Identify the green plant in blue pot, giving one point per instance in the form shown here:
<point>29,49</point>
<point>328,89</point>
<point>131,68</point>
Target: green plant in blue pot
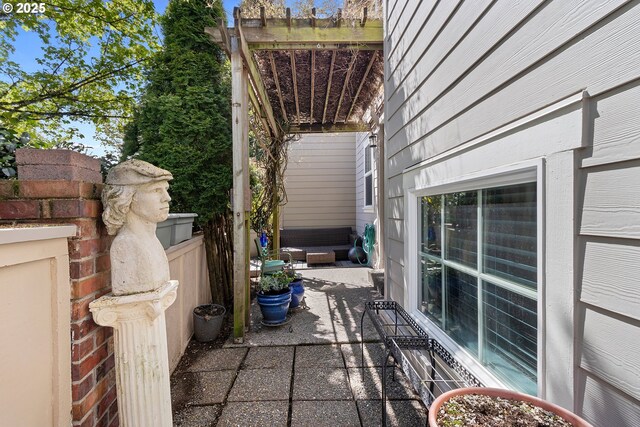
<point>274,297</point>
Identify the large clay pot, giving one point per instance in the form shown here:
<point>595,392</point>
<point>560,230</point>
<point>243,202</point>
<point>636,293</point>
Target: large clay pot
<point>505,394</point>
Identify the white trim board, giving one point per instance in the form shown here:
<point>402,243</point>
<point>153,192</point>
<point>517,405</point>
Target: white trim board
<point>525,124</point>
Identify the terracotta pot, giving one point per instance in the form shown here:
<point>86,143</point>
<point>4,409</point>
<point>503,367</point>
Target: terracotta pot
<point>505,394</point>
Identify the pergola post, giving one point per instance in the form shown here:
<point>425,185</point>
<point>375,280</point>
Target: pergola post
<point>241,192</point>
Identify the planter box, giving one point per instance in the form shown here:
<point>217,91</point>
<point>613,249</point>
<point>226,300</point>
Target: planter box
<point>175,229</point>
<point>163,231</point>
<point>182,227</point>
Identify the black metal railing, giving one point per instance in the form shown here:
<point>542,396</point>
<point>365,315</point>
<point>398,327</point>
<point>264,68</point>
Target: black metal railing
<point>400,332</point>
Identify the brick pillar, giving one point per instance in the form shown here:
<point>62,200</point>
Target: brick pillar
<point>63,187</point>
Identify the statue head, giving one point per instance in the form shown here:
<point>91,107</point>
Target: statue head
<point>138,187</point>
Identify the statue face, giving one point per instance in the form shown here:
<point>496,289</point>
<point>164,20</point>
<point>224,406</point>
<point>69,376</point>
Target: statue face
<point>151,201</point>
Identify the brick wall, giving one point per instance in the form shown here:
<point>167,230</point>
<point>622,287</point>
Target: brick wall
<point>63,187</point>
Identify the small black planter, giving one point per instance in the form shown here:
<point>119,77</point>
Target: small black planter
<point>207,321</point>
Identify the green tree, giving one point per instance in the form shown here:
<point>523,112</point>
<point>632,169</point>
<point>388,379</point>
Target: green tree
<point>183,124</point>
<point>89,69</point>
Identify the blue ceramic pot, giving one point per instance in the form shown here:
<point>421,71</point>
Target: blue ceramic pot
<point>297,291</point>
<point>274,307</point>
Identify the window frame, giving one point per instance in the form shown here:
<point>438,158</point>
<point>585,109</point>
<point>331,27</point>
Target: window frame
<point>517,173</point>
<point>368,151</point>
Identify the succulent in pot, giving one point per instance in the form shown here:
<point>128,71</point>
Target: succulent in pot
<point>274,297</point>
<point>274,283</point>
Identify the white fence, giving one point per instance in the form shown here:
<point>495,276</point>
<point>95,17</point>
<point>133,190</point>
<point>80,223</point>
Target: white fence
<point>187,262</point>
<point>35,319</point>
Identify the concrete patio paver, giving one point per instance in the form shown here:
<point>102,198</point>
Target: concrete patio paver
<point>261,384</point>
<point>326,413</point>
<point>335,299</point>
<point>197,416</point>
<point>309,369</point>
<point>315,356</point>
<point>321,384</point>
<point>269,358</point>
<point>217,360</point>
<point>400,413</point>
<point>370,388</point>
<point>252,414</point>
<point>202,388</point>
<point>374,354</point>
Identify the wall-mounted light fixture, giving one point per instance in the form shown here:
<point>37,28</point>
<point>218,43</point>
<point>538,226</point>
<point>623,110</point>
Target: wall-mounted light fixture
<point>373,140</point>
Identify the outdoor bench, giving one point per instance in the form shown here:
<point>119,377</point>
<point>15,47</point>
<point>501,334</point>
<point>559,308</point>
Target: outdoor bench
<point>317,245</point>
<point>399,331</point>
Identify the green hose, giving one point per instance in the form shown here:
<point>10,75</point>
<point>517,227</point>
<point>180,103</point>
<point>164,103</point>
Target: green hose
<point>368,240</point>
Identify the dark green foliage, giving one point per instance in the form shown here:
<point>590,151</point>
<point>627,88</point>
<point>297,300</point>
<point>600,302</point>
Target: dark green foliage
<point>184,123</point>
<point>9,142</point>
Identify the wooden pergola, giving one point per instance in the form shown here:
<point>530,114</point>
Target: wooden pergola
<point>301,76</point>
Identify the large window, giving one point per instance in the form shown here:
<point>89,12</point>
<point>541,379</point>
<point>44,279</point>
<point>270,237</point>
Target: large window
<point>478,262</point>
<point>368,177</point>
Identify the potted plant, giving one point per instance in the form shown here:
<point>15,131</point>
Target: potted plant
<point>497,407</point>
<point>297,291</point>
<point>274,297</point>
<point>207,321</point>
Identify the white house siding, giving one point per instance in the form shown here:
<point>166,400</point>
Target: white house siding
<point>363,215</point>
<point>320,182</point>
<point>475,86</point>
<point>608,311</point>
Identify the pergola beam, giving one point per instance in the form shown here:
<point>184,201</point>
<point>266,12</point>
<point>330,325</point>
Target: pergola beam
<point>252,70</point>
<point>326,100</point>
<point>277,82</point>
<point>344,87</point>
<point>292,55</point>
<point>329,128</point>
<point>317,46</point>
<point>304,36</point>
<point>364,79</point>
<point>258,109</point>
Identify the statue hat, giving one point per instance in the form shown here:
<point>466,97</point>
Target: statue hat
<point>136,172</point>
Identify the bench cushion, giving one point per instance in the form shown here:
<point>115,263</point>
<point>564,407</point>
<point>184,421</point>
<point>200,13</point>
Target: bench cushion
<point>306,237</point>
<point>300,241</point>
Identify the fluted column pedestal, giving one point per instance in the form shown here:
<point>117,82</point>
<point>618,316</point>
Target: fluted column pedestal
<point>142,365</point>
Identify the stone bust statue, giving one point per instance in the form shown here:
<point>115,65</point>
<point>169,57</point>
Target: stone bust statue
<point>135,199</point>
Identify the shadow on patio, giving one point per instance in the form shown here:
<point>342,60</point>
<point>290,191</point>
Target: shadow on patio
<point>305,373</point>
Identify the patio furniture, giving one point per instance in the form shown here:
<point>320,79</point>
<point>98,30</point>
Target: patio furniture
<point>301,241</point>
<point>398,332</point>
<point>268,265</point>
<point>321,257</point>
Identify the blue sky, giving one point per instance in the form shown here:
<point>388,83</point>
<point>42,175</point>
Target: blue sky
<point>28,48</point>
